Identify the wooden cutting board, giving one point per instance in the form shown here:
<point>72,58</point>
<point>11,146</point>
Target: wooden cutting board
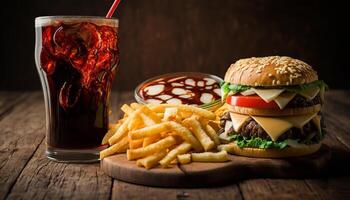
<point>213,174</point>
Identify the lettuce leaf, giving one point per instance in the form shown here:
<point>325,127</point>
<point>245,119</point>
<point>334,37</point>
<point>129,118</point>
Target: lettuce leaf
<point>243,142</point>
<point>227,87</point>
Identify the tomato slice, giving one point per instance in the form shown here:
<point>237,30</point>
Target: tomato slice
<point>252,101</point>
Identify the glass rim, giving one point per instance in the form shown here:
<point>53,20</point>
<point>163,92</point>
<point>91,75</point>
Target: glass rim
<point>45,20</point>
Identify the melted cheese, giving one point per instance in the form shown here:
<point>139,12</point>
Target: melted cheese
<point>238,120</point>
<point>317,121</point>
<point>283,99</point>
<point>300,120</point>
<point>310,93</point>
<point>224,135</point>
<point>268,94</point>
<point>273,126</point>
<point>248,92</point>
<point>228,125</point>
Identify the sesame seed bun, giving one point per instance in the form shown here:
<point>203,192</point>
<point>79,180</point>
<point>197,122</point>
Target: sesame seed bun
<point>270,71</point>
<point>274,153</point>
<point>274,112</point>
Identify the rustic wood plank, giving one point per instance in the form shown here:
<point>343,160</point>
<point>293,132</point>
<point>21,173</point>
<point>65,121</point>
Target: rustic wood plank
<point>21,132</point>
<point>335,184</point>
<point>45,179</point>
<point>9,99</point>
<point>122,190</point>
<point>276,189</point>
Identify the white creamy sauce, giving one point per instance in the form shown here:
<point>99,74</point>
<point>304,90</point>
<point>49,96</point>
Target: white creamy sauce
<point>174,101</point>
<point>185,96</point>
<point>209,81</point>
<point>154,89</point>
<point>200,83</point>
<point>190,82</point>
<point>155,101</point>
<point>177,84</point>
<point>178,91</point>
<point>164,96</point>
<point>217,91</point>
<point>206,98</point>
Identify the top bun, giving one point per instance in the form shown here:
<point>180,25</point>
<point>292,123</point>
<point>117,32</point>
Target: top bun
<point>270,71</point>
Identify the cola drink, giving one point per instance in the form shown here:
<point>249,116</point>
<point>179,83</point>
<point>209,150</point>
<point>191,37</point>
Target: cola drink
<point>76,58</point>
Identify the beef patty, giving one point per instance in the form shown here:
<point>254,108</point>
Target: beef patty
<point>299,101</point>
<point>253,129</point>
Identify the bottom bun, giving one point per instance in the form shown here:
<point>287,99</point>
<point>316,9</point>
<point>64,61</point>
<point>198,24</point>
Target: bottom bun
<point>274,153</point>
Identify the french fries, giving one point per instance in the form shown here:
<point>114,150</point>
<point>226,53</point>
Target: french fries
<point>162,144</point>
<point>186,135</point>
<point>210,157</point>
<point>119,147</point>
<point>112,129</point>
<point>212,134</point>
<point>164,135</point>
<point>198,131</point>
<point>149,131</point>
<point>121,132</point>
<point>152,160</point>
<point>134,144</point>
<point>184,108</point>
<point>184,158</point>
<point>152,139</point>
<point>181,149</point>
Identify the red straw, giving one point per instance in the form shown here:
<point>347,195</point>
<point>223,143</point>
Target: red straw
<point>112,9</point>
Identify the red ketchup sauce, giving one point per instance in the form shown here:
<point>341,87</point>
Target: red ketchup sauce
<point>181,89</point>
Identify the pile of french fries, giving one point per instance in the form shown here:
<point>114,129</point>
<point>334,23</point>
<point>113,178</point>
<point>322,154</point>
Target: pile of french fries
<point>164,134</point>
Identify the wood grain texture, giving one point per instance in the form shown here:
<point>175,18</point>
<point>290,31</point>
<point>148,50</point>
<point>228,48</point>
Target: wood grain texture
<point>9,99</point>
<point>126,191</point>
<point>21,132</point>
<point>277,189</point>
<point>45,179</point>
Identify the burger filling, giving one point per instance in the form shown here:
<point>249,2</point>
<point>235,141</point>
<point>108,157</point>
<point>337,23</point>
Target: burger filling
<point>274,97</point>
<point>299,101</point>
<point>252,134</point>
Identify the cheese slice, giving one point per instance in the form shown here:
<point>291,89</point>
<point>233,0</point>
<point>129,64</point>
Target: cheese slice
<point>224,135</point>
<point>228,125</point>
<point>317,121</point>
<point>268,94</point>
<point>273,126</point>
<point>300,120</point>
<point>248,92</point>
<point>283,99</point>
<point>238,120</point>
<point>310,93</point>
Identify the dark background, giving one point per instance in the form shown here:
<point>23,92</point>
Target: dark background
<point>160,36</point>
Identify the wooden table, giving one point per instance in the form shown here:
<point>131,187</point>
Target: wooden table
<point>25,172</point>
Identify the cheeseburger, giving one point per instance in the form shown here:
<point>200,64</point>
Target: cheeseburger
<point>272,107</point>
